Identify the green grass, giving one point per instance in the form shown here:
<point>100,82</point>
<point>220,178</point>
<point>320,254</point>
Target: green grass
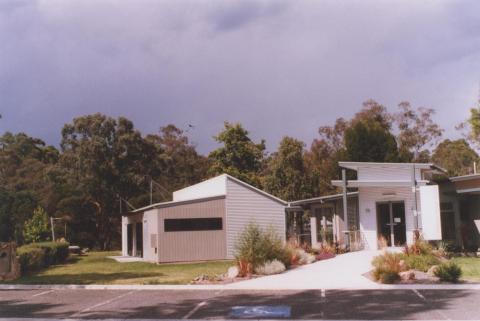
<point>96,268</point>
<point>470,267</point>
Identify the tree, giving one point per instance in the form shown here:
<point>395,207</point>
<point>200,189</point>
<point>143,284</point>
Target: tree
<point>24,165</point>
<point>322,158</point>
<point>457,157</point>
<point>417,132</point>
<point>287,176</point>
<point>179,165</point>
<point>368,137</point>
<point>239,156</point>
<point>105,159</point>
<point>36,229</point>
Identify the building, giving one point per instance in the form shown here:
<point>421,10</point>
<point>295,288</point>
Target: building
<point>202,222</point>
<point>381,204</point>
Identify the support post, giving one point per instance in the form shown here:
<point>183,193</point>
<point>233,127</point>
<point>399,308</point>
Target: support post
<point>414,191</point>
<point>344,194</point>
<point>313,231</point>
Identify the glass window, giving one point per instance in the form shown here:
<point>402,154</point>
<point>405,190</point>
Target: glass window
<point>193,224</point>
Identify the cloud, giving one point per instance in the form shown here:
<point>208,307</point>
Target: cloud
<point>278,67</point>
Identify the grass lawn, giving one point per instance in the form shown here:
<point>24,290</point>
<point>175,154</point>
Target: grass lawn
<point>96,268</point>
<point>470,267</point>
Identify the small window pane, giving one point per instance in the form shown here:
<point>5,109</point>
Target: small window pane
<point>193,224</point>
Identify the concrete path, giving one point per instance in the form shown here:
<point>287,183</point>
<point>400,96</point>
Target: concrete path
<point>342,272</point>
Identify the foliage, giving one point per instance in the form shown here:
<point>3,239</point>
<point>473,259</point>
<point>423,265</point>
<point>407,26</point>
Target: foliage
<point>368,138</point>
<point>387,267</point>
<point>421,262</point>
<point>270,267</point>
<point>39,255</point>
<point>448,272</point>
<point>36,229</point>
<point>256,246</point>
<point>457,157</point>
<point>417,132</point>
<point>419,247</point>
<point>286,175</point>
<point>239,156</point>
<point>304,257</point>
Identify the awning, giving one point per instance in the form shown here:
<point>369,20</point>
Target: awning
<point>379,183</point>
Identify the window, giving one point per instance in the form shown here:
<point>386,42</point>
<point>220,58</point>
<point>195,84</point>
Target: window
<point>193,224</point>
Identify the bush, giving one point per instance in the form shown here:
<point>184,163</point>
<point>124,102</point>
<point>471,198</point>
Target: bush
<point>419,247</point>
<point>31,258</point>
<point>39,255</point>
<point>387,267</point>
<point>271,267</point>
<point>256,246</point>
<point>421,262</point>
<point>36,229</point>
<point>448,272</point>
<point>304,257</point>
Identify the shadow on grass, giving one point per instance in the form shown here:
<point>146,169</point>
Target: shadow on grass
<point>85,278</point>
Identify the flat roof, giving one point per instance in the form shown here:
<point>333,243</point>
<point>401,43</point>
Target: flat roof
<point>173,203</point>
<point>465,177</point>
<point>322,198</point>
<point>356,165</point>
<point>377,183</point>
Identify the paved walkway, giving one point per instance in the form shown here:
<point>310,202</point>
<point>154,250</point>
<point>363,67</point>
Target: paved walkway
<point>343,271</point>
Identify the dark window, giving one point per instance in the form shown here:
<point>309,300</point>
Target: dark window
<point>193,224</point>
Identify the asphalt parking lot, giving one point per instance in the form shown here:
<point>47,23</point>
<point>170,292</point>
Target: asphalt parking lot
<point>211,304</point>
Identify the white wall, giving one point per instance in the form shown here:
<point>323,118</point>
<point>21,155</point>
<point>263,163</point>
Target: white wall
<point>369,196</point>
<point>150,226</point>
<point>212,187</point>
<point>244,205</point>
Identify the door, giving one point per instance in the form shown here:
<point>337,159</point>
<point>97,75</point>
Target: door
<point>130,239</point>
<point>139,239</point>
<point>391,223</point>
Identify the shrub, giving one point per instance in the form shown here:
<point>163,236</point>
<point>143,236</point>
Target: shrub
<point>256,246</point>
<point>270,267</point>
<point>419,247</point>
<point>304,257</point>
<point>31,258</point>
<point>421,262</point>
<point>387,267</point>
<point>448,272</point>
<point>39,255</point>
<point>36,229</point>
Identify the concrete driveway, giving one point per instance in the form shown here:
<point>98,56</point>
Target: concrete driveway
<point>343,271</point>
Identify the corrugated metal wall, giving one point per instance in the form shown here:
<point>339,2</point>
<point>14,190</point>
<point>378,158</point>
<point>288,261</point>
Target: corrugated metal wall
<point>192,245</point>
<point>244,205</point>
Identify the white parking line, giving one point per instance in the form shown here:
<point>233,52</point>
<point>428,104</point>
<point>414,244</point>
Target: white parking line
<point>195,309</point>
<point>100,304</point>
<point>42,293</point>
<point>419,295</point>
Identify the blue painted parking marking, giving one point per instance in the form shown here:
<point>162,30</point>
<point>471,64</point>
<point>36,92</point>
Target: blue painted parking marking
<point>261,311</point>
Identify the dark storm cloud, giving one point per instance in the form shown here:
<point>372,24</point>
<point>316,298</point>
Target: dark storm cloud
<point>278,67</point>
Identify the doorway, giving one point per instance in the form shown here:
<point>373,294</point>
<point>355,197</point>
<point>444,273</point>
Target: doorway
<point>391,223</point>
<point>139,239</point>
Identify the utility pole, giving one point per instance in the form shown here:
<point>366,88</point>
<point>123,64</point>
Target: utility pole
<point>151,191</point>
<point>53,230</point>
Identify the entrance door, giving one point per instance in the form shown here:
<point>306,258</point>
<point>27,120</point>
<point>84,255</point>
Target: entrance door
<point>139,239</point>
<point>391,223</point>
<point>325,225</point>
<point>130,239</point>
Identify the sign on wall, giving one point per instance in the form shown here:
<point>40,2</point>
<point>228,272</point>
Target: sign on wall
<point>430,211</point>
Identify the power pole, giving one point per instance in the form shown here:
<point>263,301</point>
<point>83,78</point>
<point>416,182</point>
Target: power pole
<point>53,230</point>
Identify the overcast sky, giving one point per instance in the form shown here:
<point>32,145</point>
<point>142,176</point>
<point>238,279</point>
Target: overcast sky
<point>280,68</point>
